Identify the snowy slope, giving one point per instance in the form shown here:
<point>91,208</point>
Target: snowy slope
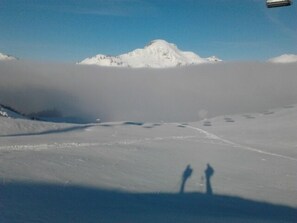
<point>131,172</point>
<point>6,57</point>
<point>9,112</point>
<point>285,58</point>
<point>104,60</point>
<point>157,54</point>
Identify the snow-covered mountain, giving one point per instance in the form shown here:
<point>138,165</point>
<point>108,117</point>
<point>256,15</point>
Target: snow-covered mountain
<point>6,57</point>
<point>285,58</point>
<point>157,54</point>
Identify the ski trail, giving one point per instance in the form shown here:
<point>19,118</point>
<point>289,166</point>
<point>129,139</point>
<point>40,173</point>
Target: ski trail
<point>236,145</point>
<point>70,145</point>
<point>208,136</point>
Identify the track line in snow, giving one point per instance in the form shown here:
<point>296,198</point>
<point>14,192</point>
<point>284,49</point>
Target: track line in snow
<point>236,145</point>
<point>214,139</point>
<point>40,147</point>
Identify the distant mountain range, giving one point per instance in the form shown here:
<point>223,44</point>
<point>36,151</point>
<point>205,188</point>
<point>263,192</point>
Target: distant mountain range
<point>157,54</point>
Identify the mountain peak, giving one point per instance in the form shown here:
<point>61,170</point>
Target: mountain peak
<point>156,54</point>
<point>6,57</point>
<point>285,58</point>
<point>159,43</point>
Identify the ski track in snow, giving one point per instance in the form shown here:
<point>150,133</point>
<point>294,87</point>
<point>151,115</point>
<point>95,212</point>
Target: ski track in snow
<point>210,138</point>
<point>236,145</point>
<point>39,147</point>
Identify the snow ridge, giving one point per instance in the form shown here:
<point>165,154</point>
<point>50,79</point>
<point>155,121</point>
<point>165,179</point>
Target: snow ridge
<point>156,54</point>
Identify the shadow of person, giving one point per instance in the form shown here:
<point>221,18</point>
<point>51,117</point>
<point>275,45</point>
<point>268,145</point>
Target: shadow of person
<point>186,175</point>
<point>209,171</point>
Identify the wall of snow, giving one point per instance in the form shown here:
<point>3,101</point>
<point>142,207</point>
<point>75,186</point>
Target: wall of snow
<point>117,94</point>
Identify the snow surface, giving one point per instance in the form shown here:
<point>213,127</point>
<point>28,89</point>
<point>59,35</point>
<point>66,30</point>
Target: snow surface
<point>285,58</point>
<point>157,54</point>
<point>132,171</point>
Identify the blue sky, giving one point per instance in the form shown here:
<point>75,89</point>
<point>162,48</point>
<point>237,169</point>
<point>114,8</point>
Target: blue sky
<point>71,30</point>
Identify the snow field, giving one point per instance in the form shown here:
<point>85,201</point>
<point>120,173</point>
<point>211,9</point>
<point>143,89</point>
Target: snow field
<point>151,157</point>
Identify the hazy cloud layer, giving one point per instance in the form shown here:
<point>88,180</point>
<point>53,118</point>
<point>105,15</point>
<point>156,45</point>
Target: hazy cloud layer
<point>117,94</point>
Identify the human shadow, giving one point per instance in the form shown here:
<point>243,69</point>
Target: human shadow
<point>46,203</point>
<point>209,172</point>
<point>186,175</point>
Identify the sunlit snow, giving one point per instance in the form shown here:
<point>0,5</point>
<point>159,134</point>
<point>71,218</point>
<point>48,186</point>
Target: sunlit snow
<point>157,54</point>
<point>285,58</point>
